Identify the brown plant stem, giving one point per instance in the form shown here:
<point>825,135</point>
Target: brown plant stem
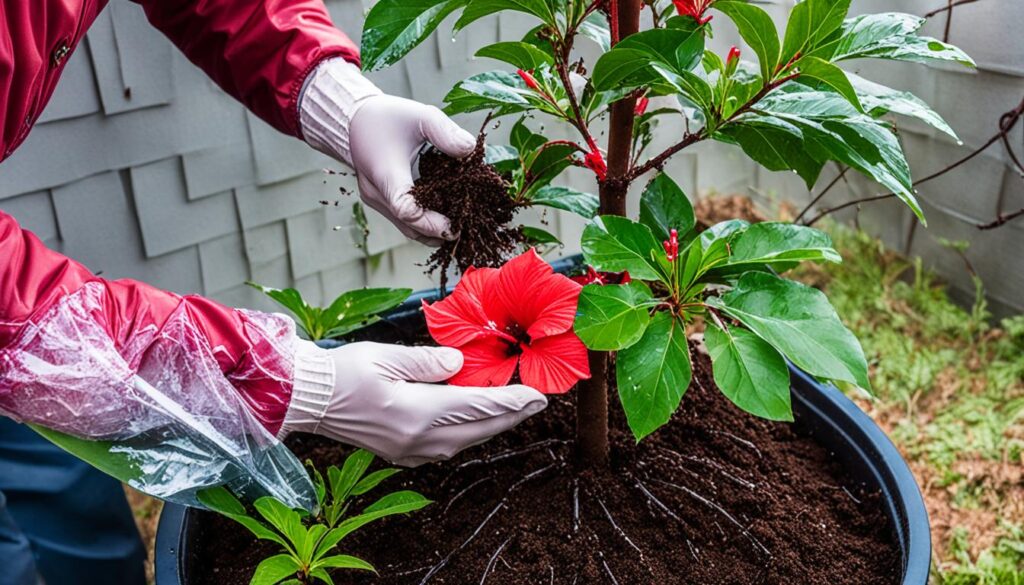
<point>592,399</point>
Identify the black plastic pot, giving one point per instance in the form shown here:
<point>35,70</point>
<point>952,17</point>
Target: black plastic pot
<point>834,421</point>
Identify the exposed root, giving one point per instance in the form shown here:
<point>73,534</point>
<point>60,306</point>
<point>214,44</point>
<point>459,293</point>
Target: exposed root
<point>743,529</point>
<point>619,530</point>
<point>512,453</point>
<point>741,441</point>
<point>661,506</point>
<point>714,464</point>
<point>575,505</point>
<point>493,560</point>
<point>852,497</point>
<point>464,490</point>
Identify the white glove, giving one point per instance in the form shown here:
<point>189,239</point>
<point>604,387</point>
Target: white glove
<point>372,395</point>
<point>345,116</point>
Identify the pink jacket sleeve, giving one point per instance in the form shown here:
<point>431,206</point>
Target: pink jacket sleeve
<point>71,344</point>
<point>259,51</point>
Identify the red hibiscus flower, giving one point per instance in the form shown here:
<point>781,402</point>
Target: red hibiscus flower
<point>694,8</point>
<point>519,315</point>
<point>594,277</point>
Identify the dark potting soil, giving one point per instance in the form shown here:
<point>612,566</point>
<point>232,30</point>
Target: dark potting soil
<point>475,198</point>
<point>715,497</point>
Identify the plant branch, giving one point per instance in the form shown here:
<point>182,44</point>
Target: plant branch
<point>948,7</point>
<point>1001,220</point>
<point>824,192</point>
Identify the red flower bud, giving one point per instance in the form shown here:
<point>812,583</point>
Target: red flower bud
<point>595,162</point>
<point>734,54</point>
<point>694,8</point>
<point>641,106</point>
<point>529,80</point>
<point>671,245</point>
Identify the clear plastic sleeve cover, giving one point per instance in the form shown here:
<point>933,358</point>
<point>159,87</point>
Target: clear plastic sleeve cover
<point>159,414</point>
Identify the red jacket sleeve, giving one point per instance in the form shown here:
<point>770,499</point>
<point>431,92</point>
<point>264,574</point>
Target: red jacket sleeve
<point>252,351</point>
<point>259,51</point>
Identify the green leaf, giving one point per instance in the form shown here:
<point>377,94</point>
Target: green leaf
<point>291,299</point>
<point>798,321</point>
<point>535,236</point>
<point>220,500</point>
<point>373,480</point>
<point>343,480</point>
<point>545,165</point>
<point>318,482</point>
<point>613,317</point>
<point>595,27</point>
<point>613,244</point>
<point>309,545</point>
<point>664,206</point>
<point>525,140</point>
<point>505,159</point>
<point>653,374</point>
<point>395,27</point>
<point>775,144</point>
<point>780,243</point>
<point>567,199</point>
<point>357,308</point>
<point>810,24</point>
<point>722,231</point>
<point>629,63</point>
<point>478,9</point>
<point>501,91</point>
<point>831,76</point>
<point>891,35</point>
<point>757,29</point>
<point>401,502</point>
<point>879,100</point>
<point>281,517</point>
<point>517,53</point>
<point>320,574</point>
<point>750,372</point>
<point>343,562</point>
<point>272,570</point>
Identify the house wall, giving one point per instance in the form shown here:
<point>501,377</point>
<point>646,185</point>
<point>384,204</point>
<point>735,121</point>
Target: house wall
<point>141,167</point>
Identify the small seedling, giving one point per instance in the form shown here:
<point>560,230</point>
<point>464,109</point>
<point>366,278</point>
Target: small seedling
<point>352,310</point>
<point>307,541</point>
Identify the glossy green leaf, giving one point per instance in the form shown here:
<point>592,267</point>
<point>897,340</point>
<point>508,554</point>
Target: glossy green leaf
<point>775,144</point>
<point>401,502</point>
<point>477,9</point>
<point>220,500</point>
<point>879,100</point>
<point>750,372</point>
<point>567,199</point>
<point>757,29</point>
<point>664,206</point>
<point>724,231</point>
<point>313,535</point>
<point>628,64</point>
<point>291,299</point>
<point>613,317</point>
<point>274,569</point>
<point>890,35</point>
<point>343,562</point>
<point>357,308</point>
<point>372,480</point>
<point>281,517</point>
<point>504,159</point>
<point>394,27</point>
<point>653,374</point>
<point>343,480</point>
<point>798,321</point>
<point>517,53</point>
<point>780,243</point>
<point>501,91</point>
<point>547,164</point>
<point>811,23</point>
<point>524,139</point>
<point>613,244</point>
<point>831,76</point>
<point>536,236</point>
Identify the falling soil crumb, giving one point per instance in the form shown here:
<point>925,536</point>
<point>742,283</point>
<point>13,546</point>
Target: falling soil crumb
<point>475,198</point>
<point>716,497</point>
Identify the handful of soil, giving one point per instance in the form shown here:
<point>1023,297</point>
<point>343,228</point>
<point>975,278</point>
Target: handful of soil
<point>476,199</point>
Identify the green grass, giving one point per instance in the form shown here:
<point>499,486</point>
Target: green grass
<point>948,386</point>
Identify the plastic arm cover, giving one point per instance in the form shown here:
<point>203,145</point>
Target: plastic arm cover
<point>159,415</point>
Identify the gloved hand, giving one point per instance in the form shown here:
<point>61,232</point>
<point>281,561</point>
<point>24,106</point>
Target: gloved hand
<point>381,398</point>
<point>345,116</point>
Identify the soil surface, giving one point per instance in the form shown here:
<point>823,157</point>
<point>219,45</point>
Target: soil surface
<point>475,198</point>
<point>715,497</point>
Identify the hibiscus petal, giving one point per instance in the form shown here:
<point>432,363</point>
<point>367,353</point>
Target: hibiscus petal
<point>486,362</point>
<point>475,281</point>
<point>554,364</point>
<point>540,301</point>
<point>456,320</point>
